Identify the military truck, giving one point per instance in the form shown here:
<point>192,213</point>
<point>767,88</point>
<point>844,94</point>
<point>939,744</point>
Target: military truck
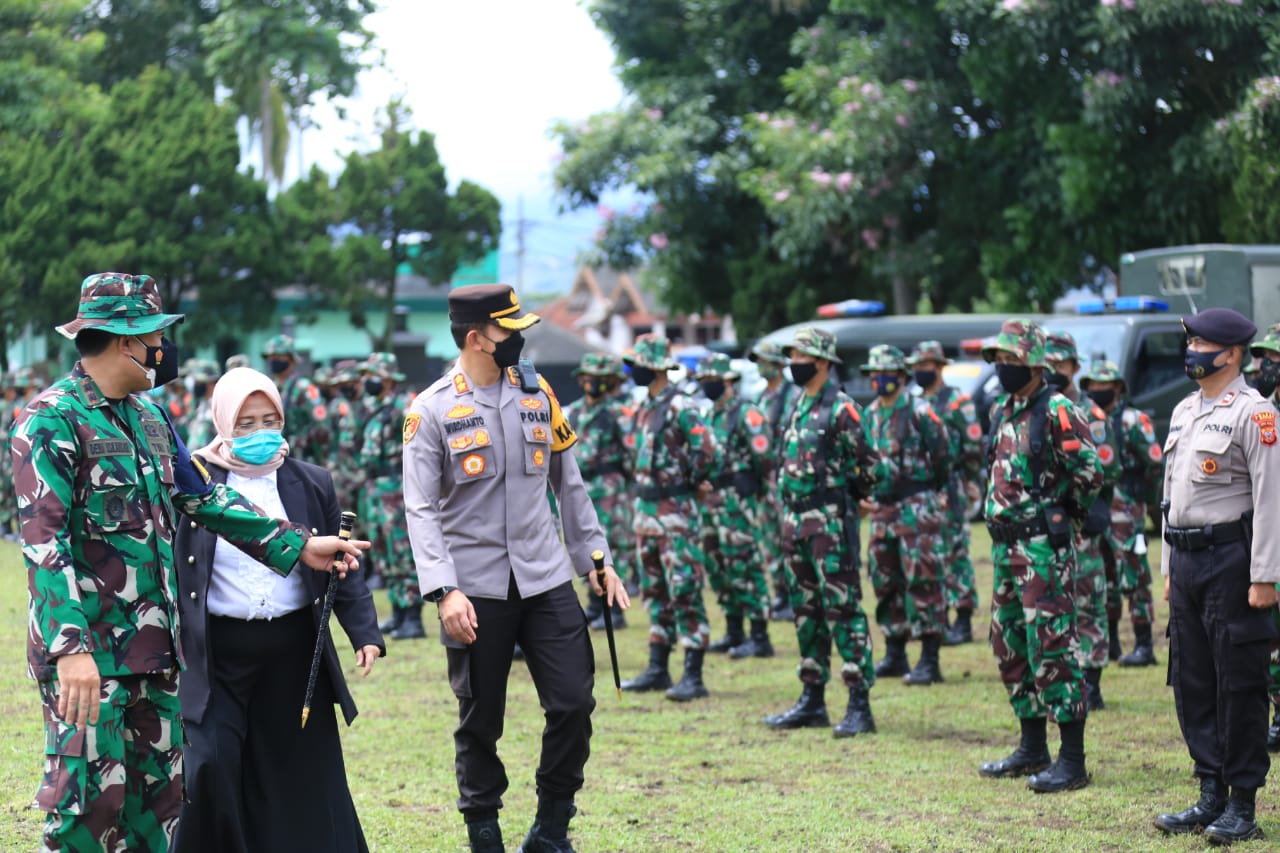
<point>1193,278</point>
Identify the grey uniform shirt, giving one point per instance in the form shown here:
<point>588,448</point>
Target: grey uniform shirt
<point>477,465</point>
<point>1221,461</point>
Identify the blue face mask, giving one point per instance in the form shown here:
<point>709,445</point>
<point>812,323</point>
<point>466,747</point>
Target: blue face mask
<point>258,448</point>
<point>885,384</point>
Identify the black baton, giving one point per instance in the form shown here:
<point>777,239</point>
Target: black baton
<point>597,558</point>
<point>344,532</point>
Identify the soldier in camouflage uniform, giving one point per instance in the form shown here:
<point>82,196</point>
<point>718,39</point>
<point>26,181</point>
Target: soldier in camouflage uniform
<point>200,428</point>
<point>19,387</point>
<point>338,406</point>
<point>825,469</point>
<point>907,509</point>
<point>1044,476</point>
<point>1265,377</point>
<point>960,415</point>
<point>775,401</point>
<point>674,452</point>
<point>234,361</point>
<point>305,415</point>
<point>605,463</point>
<point>732,509</point>
<point>99,472</point>
<point>1091,581</point>
<point>1140,463</point>
<point>348,477</point>
<point>380,459</point>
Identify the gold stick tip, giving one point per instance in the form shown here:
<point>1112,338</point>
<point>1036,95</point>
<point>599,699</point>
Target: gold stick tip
<point>306,712</point>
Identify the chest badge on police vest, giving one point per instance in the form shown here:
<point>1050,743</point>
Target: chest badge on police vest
<point>531,403</point>
<point>1266,422</point>
<point>538,458</point>
<point>1209,465</point>
<point>539,434</point>
<point>482,438</point>
<point>473,465</point>
<point>459,411</point>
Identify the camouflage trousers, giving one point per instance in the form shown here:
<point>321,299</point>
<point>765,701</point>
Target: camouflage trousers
<point>1033,631</point>
<point>671,576</point>
<point>116,786</point>
<point>394,553</point>
<point>613,507</point>
<point>822,577</point>
<point>907,553</point>
<point>1132,572</point>
<point>1089,590</point>
<point>733,556</point>
<point>769,527</point>
<point>961,586</point>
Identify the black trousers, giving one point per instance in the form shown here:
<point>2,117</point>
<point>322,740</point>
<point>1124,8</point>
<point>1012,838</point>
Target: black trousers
<point>552,631</point>
<point>1219,649</point>
<point>256,781</point>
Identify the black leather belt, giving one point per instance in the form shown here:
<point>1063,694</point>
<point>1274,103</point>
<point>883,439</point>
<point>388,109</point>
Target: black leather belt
<point>1008,532</point>
<point>1200,538</point>
<point>908,490</point>
<point>657,493</point>
<point>602,470</point>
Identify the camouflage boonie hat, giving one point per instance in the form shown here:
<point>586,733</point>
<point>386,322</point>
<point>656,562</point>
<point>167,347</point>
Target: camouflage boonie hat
<point>278,345</point>
<point>323,375</point>
<point>816,342</point>
<point>346,370</point>
<point>234,361</point>
<point>768,351</point>
<point>1102,371</point>
<point>716,366</point>
<point>1270,341</point>
<point>651,351</point>
<point>120,304</point>
<point>1060,346</point>
<point>598,364</point>
<point>884,358</point>
<point>1021,337</point>
<point>203,370</point>
<point>384,364</point>
<point>927,351</point>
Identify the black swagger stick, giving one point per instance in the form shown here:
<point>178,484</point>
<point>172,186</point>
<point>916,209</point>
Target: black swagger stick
<point>597,558</point>
<point>344,532</point>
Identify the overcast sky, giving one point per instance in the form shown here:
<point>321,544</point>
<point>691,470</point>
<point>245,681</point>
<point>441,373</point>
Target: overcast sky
<point>488,77</point>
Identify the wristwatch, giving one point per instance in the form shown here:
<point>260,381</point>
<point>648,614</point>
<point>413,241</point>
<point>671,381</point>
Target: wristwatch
<point>437,595</point>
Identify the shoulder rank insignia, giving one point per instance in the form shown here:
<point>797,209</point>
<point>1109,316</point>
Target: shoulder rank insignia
<point>460,383</point>
<point>1266,422</point>
<point>1227,398</point>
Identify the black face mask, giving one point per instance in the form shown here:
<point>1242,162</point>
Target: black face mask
<point>1103,398</point>
<point>803,372</point>
<point>199,388</point>
<point>160,363</point>
<point>885,385</point>
<point>506,353</point>
<point>1267,379</point>
<point>1013,377</point>
<point>1199,365</point>
<point>373,387</point>
<point>925,378</point>
<point>596,387</point>
<point>1057,381</point>
<point>643,376</point>
<point>712,388</point>
<point>278,365</point>
<point>347,392</point>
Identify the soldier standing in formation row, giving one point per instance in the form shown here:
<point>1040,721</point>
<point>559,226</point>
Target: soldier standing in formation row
<point>906,509</point>
<point>19,387</point>
<point>775,401</point>
<point>1266,380</point>
<point>674,452</point>
<point>1044,475</point>
<point>731,502</point>
<point>960,415</point>
<point>305,413</point>
<point>826,468</point>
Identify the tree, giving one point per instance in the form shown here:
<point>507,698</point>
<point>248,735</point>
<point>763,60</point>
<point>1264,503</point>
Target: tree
<point>398,196</point>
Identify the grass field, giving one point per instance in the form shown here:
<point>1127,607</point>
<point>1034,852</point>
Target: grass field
<point>709,776</point>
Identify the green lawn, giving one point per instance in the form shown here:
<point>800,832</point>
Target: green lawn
<point>709,776</point>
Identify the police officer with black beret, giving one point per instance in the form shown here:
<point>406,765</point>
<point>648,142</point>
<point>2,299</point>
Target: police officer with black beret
<point>1222,470</point>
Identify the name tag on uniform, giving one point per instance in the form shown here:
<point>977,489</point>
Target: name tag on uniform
<point>100,447</point>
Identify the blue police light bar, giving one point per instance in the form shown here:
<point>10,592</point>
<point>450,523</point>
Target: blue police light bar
<point>852,308</point>
<point>1092,306</point>
<point>1122,304</point>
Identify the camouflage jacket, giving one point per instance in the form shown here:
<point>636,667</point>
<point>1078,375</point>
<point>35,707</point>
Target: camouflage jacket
<point>382,448</point>
<point>960,414</point>
<point>1071,475</point>
<point>777,406</point>
<point>601,449</point>
<point>1141,458</point>
<point>745,438</point>
<point>674,449</point>
<point>98,483</point>
<point>1104,441</point>
<point>913,447</point>
<point>825,454</point>
<point>200,427</point>
<point>306,420</point>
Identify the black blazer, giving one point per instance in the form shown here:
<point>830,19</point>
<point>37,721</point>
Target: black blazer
<point>308,496</point>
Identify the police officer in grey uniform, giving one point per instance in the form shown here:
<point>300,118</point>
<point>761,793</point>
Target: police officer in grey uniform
<point>482,445</point>
<point>1222,469</point>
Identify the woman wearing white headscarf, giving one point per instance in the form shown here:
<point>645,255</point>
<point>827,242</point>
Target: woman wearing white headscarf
<point>255,780</point>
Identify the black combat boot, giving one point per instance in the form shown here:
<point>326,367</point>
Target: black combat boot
<point>857,717</point>
<point>1237,822</point>
<point>1068,773</point>
<point>1093,690</point>
<point>895,660</point>
<point>690,686</point>
<point>961,631</point>
<point>550,830</point>
<point>1273,733</point>
<point>1031,756</point>
<point>411,628</point>
<point>595,605</point>
<point>810,710</point>
<point>1113,647</point>
<point>757,645</point>
<point>927,669</point>
<point>393,622</point>
<point>1210,806</point>
<point>780,608</point>
<point>733,636</point>
<point>1142,654</point>
<point>656,676</point>
<point>485,836</point>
